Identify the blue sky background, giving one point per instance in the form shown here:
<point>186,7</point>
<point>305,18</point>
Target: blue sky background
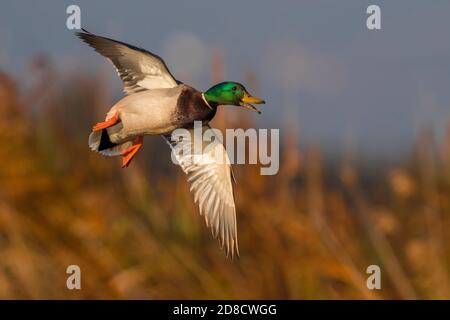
<point>318,66</point>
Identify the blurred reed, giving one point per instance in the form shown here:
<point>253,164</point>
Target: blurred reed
<point>309,232</point>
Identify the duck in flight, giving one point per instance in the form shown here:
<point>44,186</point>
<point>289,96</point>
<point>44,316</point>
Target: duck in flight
<point>157,104</point>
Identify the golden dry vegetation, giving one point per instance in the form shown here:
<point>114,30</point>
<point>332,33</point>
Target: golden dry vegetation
<point>308,232</point>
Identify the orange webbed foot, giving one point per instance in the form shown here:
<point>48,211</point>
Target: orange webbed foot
<point>128,154</point>
<point>106,124</point>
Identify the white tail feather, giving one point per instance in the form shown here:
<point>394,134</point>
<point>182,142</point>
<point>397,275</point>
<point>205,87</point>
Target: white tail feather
<point>117,150</point>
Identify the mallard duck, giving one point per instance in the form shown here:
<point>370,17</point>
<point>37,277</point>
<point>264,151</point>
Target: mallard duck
<point>156,104</point>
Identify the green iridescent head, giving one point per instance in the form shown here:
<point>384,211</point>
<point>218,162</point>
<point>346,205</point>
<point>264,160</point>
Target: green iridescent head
<point>231,93</point>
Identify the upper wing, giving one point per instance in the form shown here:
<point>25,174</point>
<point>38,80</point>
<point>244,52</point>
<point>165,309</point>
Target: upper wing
<point>139,69</point>
<point>209,174</point>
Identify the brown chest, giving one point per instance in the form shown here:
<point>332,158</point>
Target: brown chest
<point>192,107</point>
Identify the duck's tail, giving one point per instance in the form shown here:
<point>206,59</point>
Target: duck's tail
<point>100,142</point>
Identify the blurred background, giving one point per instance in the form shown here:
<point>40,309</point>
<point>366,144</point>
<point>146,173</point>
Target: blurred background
<point>365,153</point>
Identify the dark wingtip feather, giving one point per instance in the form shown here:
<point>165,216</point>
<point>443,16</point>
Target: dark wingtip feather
<point>83,34</point>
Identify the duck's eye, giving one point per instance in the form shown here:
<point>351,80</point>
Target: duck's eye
<point>234,88</point>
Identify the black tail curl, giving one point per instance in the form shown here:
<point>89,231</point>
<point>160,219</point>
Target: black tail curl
<point>105,142</point>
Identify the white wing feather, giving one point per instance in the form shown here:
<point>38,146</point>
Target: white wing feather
<point>139,69</point>
<point>209,174</point>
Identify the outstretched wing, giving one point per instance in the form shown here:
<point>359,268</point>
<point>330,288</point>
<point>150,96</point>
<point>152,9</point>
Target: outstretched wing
<point>139,69</point>
<point>209,174</point>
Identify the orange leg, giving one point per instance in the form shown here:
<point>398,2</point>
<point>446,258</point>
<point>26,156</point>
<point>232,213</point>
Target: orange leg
<point>108,123</point>
<point>128,154</point>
